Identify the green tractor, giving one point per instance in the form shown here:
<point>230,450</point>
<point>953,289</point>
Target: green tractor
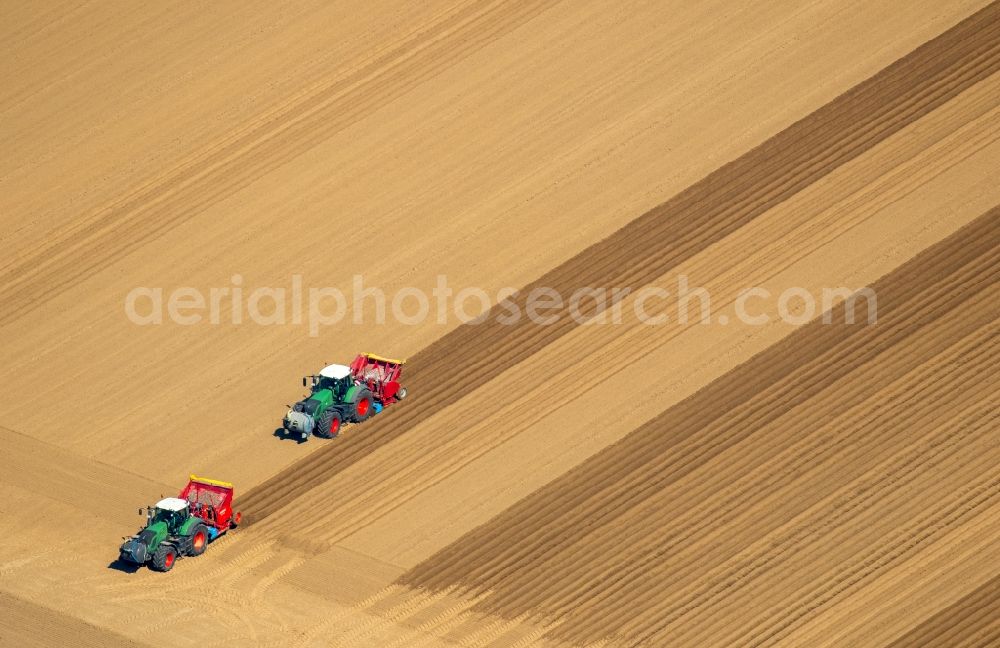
<point>335,399</point>
<point>182,526</point>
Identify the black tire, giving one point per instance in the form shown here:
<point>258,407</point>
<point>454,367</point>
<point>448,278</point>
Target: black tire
<point>164,558</point>
<point>401,394</point>
<point>328,426</point>
<point>363,405</point>
<point>197,540</point>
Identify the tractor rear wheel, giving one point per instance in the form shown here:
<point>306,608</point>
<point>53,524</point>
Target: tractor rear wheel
<point>328,426</point>
<point>362,407</point>
<point>198,540</point>
<point>164,558</point>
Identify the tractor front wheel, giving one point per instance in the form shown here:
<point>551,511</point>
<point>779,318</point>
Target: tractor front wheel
<point>164,558</point>
<point>198,540</point>
<point>328,426</point>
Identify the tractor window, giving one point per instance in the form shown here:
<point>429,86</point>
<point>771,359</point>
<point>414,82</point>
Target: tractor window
<point>336,385</point>
<point>171,518</point>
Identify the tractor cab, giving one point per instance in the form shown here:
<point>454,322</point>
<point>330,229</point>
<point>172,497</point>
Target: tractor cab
<point>336,378</point>
<point>172,511</point>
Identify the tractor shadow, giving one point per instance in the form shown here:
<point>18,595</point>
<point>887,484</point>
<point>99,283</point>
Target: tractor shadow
<point>283,434</point>
<point>120,565</point>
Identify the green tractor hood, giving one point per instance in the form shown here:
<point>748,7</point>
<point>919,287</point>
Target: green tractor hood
<point>141,547</point>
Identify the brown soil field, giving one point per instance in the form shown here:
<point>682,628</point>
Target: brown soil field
<point>595,481</point>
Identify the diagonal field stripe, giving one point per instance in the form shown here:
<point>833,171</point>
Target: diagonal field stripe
<point>88,245</point>
<point>973,620</point>
<point>538,540</point>
<point>719,204</point>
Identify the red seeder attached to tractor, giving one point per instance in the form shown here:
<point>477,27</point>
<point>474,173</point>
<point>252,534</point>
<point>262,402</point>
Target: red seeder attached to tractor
<point>212,501</point>
<point>380,375</point>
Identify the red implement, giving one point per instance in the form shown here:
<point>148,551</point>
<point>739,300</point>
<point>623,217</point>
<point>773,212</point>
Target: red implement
<point>212,501</point>
<point>380,375</point>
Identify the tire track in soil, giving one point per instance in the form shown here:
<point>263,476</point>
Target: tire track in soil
<point>647,248</point>
<point>512,554</point>
<point>93,243</point>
